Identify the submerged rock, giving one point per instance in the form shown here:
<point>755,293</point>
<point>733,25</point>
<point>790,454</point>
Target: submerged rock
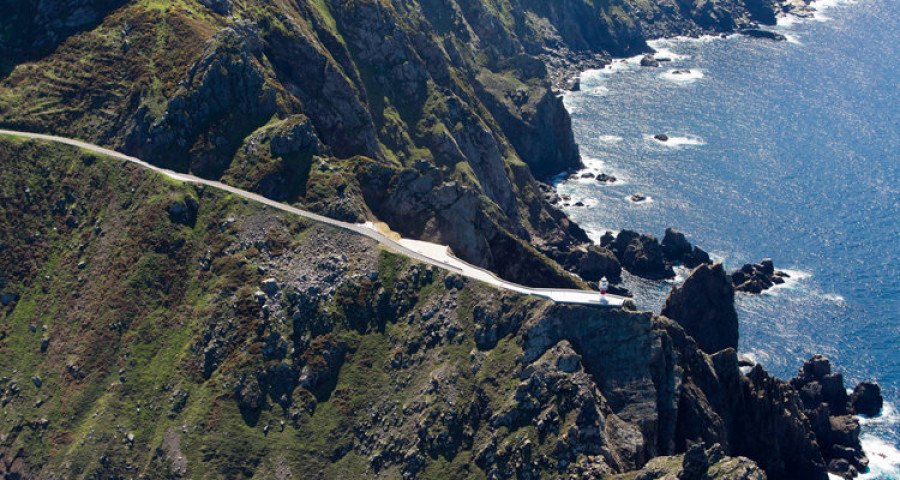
<point>763,34</point>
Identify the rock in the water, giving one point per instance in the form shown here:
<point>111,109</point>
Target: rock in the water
<point>704,306</point>
<point>829,410</point>
<point>649,61</point>
<point>677,249</point>
<point>755,278</point>
<point>641,255</point>
<point>662,137</point>
<point>763,34</point>
<point>638,197</point>
<point>606,178</point>
<point>866,399</point>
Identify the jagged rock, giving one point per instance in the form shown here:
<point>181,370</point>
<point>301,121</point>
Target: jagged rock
<point>755,278</point>
<point>866,399</point>
<point>828,408</point>
<point>606,178</point>
<point>695,464</point>
<point>592,263</point>
<point>704,306</point>
<point>676,248</point>
<point>641,255</point>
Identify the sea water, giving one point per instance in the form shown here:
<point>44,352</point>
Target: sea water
<point>788,150</point>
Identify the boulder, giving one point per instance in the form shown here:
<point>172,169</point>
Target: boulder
<point>606,178</point>
<point>649,61</point>
<point>866,399</point>
<point>638,197</point>
<point>8,298</point>
<point>704,306</point>
<point>695,464</point>
<point>270,286</point>
<point>662,137</point>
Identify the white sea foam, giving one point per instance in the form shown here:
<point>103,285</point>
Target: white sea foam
<point>884,458</point>
<point>683,75</point>
<point>596,91</point>
<point>757,357</point>
<point>609,139</point>
<point>663,49</point>
<point>888,416</point>
<point>676,141</point>
<point>597,166</point>
<point>595,234</point>
<point>792,282</point>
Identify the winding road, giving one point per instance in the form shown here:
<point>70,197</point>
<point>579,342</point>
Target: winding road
<point>426,252</point>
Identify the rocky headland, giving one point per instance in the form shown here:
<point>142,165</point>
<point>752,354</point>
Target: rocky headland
<point>155,330</point>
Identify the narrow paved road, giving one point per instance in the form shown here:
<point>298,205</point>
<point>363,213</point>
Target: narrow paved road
<point>430,253</point>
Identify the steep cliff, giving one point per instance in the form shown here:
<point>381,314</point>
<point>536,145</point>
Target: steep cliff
<point>432,116</point>
<point>160,330</point>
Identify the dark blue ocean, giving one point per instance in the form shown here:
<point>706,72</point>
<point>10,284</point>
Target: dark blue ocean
<point>788,150</point>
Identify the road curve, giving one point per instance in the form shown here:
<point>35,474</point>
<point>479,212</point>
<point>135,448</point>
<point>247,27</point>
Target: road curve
<point>425,252</point>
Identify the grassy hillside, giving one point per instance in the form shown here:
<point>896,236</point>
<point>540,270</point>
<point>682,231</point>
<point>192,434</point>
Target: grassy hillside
<point>141,345</point>
<point>152,329</point>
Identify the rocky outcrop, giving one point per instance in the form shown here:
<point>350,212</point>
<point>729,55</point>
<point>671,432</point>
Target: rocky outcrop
<point>755,278</point>
<point>643,255</point>
<point>704,306</point>
<point>677,249</point>
<point>640,254</point>
<point>830,412</point>
<point>866,399</point>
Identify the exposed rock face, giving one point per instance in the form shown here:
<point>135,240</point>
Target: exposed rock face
<point>640,254</point>
<point>677,249</point>
<point>34,28</point>
<point>866,399</point>
<point>704,306</point>
<point>829,409</point>
<point>754,278</point>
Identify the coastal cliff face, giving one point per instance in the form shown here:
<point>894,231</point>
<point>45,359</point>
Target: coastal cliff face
<point>161,330</point>
<point>432,116</point>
